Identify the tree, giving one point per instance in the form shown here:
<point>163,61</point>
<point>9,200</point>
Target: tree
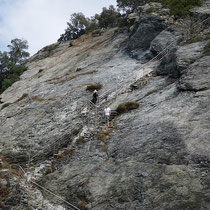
<point>108,18</point>
<point>77,26</point>
<point>12,63</point>
<point>17,51</point>
<point>4,62</point>
<point>130,5</point>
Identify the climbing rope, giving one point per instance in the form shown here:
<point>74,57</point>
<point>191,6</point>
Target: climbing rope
<point>50,192</point>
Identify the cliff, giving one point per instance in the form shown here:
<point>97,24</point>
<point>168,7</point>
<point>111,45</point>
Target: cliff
<point>156,156</point>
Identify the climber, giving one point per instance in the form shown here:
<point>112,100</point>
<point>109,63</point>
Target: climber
<point>107,112</point>
<point>95,97</point>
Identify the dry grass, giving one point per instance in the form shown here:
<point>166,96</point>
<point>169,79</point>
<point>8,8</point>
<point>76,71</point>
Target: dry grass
<point>49,170</point>
<point>85,183</point>
<point>82,203</point>
<point>103,135</point>
<point>68,151</point>
<point>81,140</point>
<point>59,155</point>
<point>51,98</point>
<point>65,153</point>
<point>37,98</point>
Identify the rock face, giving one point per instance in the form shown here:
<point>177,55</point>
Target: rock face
<point>148,28</point>
<point>187,54</point>
<point>196,77</point>
<point>154,157</point>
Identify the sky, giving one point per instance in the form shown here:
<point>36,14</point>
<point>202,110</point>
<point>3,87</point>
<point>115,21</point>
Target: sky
<point>41,22</point>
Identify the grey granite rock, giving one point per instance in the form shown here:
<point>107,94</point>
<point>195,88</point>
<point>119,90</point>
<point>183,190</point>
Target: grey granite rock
<point>196,77</point>
<point>148,28</point>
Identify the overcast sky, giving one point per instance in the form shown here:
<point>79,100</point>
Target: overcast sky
<point>41,22</point>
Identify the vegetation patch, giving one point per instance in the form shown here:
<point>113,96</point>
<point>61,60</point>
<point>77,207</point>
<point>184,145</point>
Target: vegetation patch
<point>103,135</point>
<point>82,203</point>
<point>152,91</point>
<point>37,98</point>
<point>94,86</point>
<point>68,152</point>
<point>196,39</point>
<point>179,8</point>
<point>127,106</point>
<point>49,170</point>
<point>5,105</point>
<point>78,69</point>
<point>12,63</point>
<point>51,98</point>
<point>207,49</point>
<point>150,10</point>
<point>81,140</point>
<point>51,47</point>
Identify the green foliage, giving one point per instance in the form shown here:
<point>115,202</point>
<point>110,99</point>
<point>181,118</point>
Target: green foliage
<point>150,10</point>
<point>95,86</point>
<point>51,47</point>
<point>125,107</point>
<point>9,81</point>
<point>196,39</point>
<point>123,21</point>
<point>151,92</point>
<point>12,63</point>
<point>108,18</point>
<point>79,24</point>
<point>5,105</point>
<point>78,69</point>
<point>207,49</point>
<point>129,5</point>
<point>17,51</point>
<point>179,8</point>
<point>103,135</point>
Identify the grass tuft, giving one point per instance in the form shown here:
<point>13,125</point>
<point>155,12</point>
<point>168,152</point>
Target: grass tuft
<point>81,140</point>
<point>103,135</point>
<point>151,92</point>
<point>37,98</point>
<point>125,107</point>
<point>92,87</point>
<point>5,105</point>
<point>51,47</point>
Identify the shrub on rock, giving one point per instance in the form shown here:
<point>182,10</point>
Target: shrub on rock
<point>94,86</point>
<point>127,106</point>
<point>51,47</point>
